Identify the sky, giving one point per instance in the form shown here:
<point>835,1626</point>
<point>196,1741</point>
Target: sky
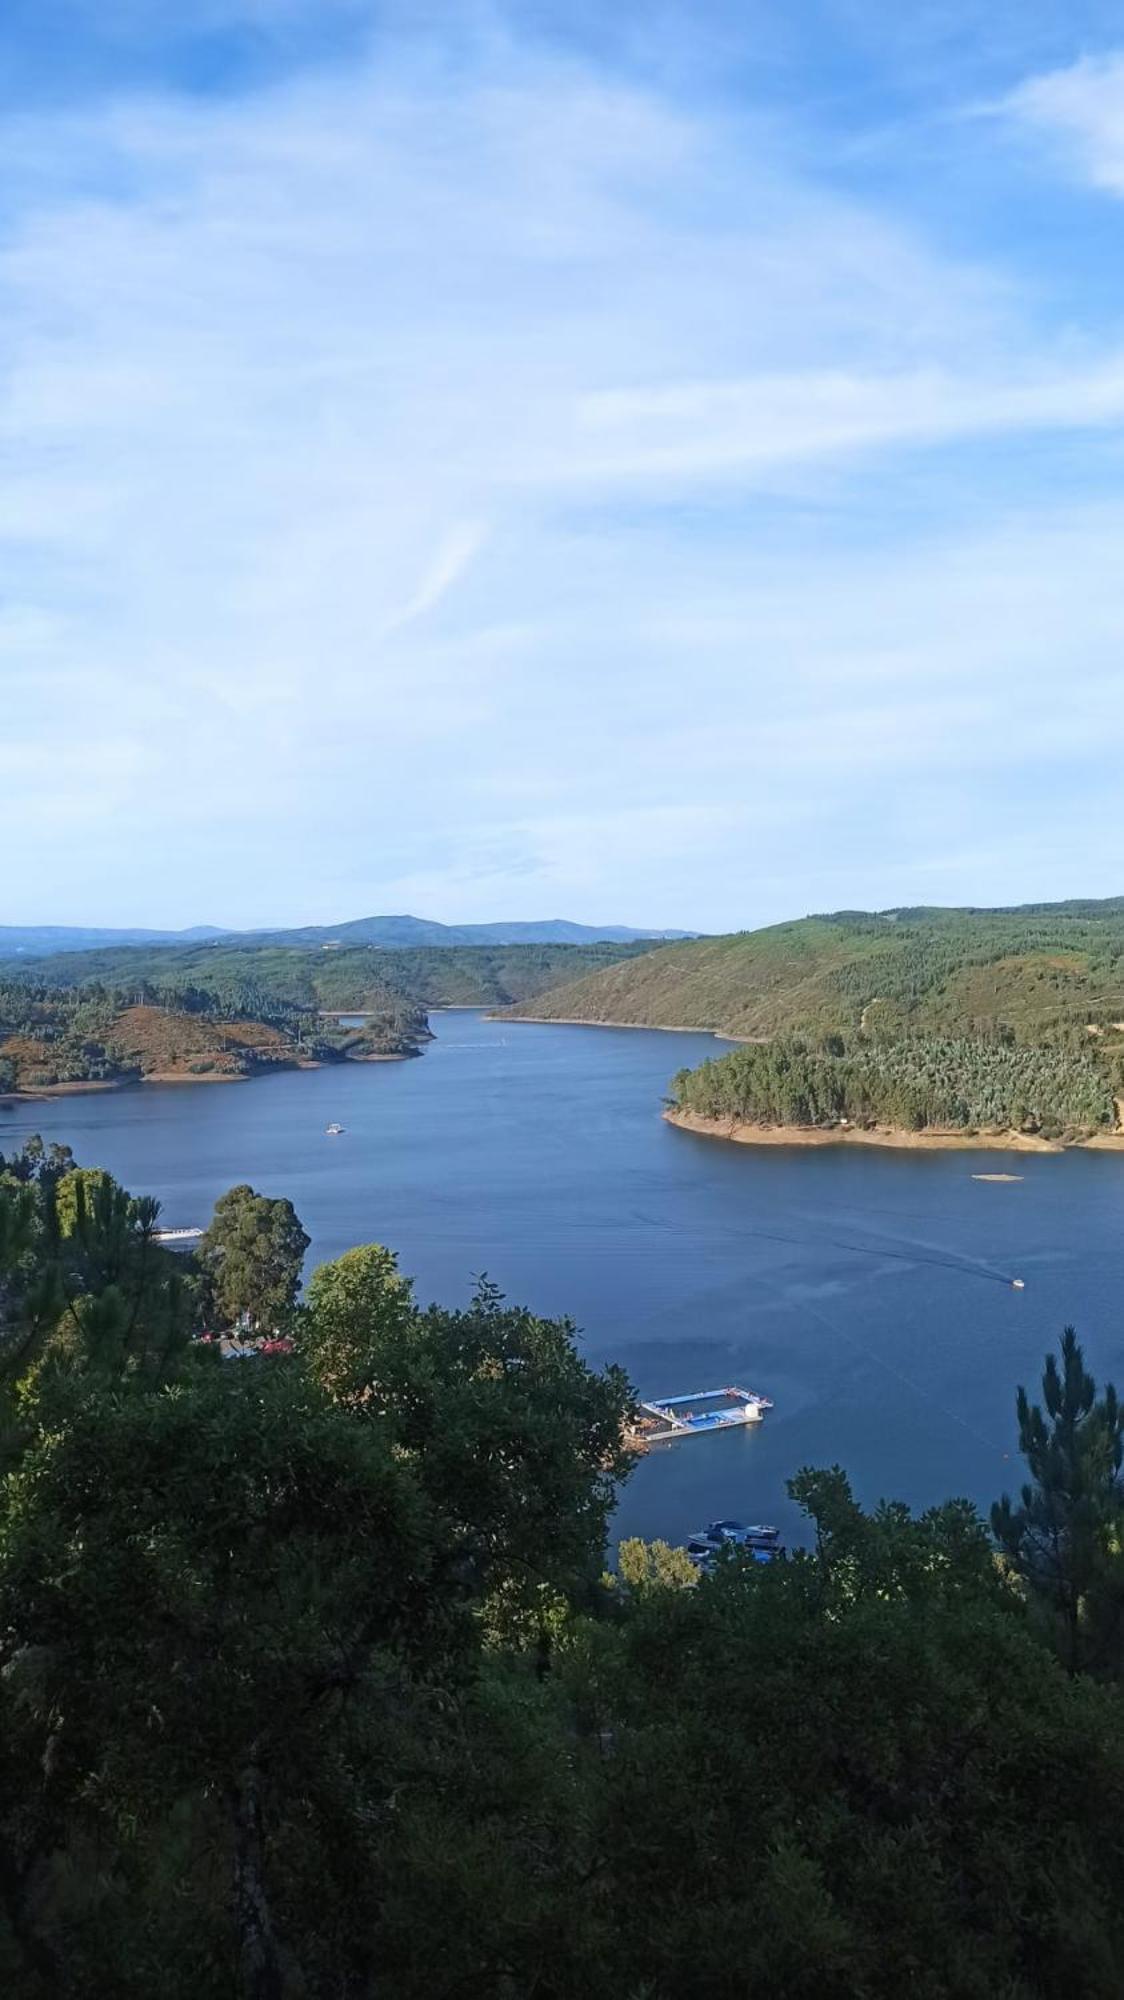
<point>659,463</point>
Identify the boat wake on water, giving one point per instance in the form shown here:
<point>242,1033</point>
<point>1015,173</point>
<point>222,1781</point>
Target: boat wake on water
<point>923,1395</point>
<point>969,1267</point>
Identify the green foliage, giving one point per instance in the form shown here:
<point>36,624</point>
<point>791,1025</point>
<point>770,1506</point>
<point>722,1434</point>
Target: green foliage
<point>1041,973</point>
<point>57,1037</point>
<point>359,1310</point>
<point>89,1303</point>
<point>308,1690</point>
<point>1066,1537</point>
<point>857,1773</point>
<point>643,1567</point>
<point>913,1083</point>
<point>517,1442</point>
<point>251,1257</point>
<point>58,1031</point>
<point>61,1015</point>
<point>259,979</point>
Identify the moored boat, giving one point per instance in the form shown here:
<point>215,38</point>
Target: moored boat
<point>757,1540</point>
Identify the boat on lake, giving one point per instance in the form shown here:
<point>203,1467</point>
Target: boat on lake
<point>760,1542</point>
<point>333,1131</point>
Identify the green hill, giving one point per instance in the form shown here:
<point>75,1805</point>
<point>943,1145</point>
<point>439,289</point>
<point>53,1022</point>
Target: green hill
<point>351,979</point>
<point>1040,974</point>
<point>72,1036</point>
<point>949,1021</point>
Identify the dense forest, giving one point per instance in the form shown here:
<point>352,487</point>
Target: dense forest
<point>312,1686</point>
<point>965,1019</point>
<point>1044,974</point>
<point>228,1010</point>
<point>349,979</point>
<point>913,1083</point>
<point>54,1033</point>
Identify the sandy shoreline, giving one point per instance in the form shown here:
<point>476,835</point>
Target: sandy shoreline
<point>924,1142</point>
<point>36,1093</point>
<point>572,1021</point>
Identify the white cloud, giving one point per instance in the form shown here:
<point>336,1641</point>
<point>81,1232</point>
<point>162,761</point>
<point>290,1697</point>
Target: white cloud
<point>707,428</point>
<point>452,557</point>
<point>398,461</point>
<point>1082,109</point>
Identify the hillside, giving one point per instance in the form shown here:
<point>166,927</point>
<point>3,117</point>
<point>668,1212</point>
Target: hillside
<point>55,1037</point>
<point>350,980</point>
<point>920,1085</point>
<point>1040,974</point>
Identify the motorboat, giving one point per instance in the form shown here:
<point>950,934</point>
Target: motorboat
<point>333,1131</point>
<point>736,1532</point>
<point>757,1540</point>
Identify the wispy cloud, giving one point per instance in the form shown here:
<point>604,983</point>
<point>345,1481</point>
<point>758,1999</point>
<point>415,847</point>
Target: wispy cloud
<point>452,557</point>
<point>463,471</point>
<point>1081,110</point>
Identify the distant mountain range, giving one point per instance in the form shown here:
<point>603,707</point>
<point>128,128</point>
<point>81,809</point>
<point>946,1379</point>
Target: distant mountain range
<point>43,940</point>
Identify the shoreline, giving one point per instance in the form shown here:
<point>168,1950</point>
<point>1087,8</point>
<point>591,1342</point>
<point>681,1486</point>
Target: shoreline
<point>572,1021</point>
<point>741,1133</point>
<point>36,1093</point>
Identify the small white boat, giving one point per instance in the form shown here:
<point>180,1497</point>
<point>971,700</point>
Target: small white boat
<point>1018,1284</point>
<point>333,1131</point>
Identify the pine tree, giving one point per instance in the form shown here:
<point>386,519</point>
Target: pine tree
<point>1063,1539</point>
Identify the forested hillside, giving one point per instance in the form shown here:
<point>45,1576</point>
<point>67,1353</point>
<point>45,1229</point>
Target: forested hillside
<point>350,979</point>
<point>55,1034</point>
<point>1002,1020</point>
<point>312,1686</point>
<point>227,1010</point>
<point>914,1084</point>
<point>1042,973</point>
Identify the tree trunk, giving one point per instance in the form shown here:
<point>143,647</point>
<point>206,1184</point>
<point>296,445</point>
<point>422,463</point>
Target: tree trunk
<point>259,1966</point>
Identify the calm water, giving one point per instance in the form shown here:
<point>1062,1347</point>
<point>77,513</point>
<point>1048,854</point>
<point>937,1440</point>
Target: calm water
<point>867,1292</point>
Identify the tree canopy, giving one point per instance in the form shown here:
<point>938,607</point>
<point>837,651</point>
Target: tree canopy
<point>251,1257</point>
<point>311,1688</point>
<point>912,1083</point>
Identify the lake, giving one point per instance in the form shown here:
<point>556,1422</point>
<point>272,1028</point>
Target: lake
<point>868,1293</point>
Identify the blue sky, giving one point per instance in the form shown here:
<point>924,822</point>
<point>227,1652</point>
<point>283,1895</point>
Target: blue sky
<point>660,463</point>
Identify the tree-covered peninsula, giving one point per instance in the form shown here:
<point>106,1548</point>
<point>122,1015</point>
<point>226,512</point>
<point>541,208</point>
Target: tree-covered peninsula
<point>58,1035</point>
<point>915,1084</point>
<point>206,1011</point>
<point>908,1021</point>
<point>312,1686</point>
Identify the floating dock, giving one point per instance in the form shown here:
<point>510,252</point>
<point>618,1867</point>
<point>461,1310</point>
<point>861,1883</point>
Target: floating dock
<point>703,1410</point>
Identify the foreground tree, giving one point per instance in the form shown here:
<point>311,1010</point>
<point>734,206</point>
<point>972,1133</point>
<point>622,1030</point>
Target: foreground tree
<point>216,1594</point>
<point>251,1257</point>
<point>308,1690</point>
<point>239,1627</point>
<point>514,1438</point>
<point>87,1297</point>
<point>1064,1537</point>
<point>854,1772</point>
